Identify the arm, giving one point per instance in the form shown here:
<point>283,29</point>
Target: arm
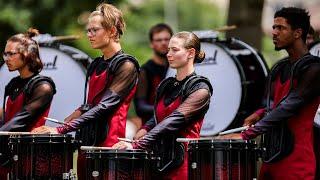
<point>143,108</point>
<point>124,79</point>
<point>40,99</point>
<point>308,88</point>
<point>194,107</point>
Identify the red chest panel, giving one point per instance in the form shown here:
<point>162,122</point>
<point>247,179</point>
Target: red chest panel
<point>97,85</point>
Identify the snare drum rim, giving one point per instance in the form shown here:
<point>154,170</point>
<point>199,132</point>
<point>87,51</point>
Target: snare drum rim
<point>217,144</point>
<point>41,138</point>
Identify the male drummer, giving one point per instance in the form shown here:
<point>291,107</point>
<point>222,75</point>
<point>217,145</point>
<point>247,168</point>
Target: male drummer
<point>27,96</point>
<point>112,83</point>
<point>152,73</point>
<point>294,87</point>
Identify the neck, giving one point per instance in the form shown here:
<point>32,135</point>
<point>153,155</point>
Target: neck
<point>183,72</point>
<point>110,50</point>
<point>159,60</point>
<point>25,72</point>
<point>297,51</point>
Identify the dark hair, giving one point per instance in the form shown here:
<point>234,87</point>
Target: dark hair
<point>29,49</point>
<point>297,18</point>
<point>159,28</point>
<point>191,41</point>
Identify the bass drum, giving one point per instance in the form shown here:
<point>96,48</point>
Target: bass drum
<point>66,66</point>
<point>238,75</point>
<point>315,50</point>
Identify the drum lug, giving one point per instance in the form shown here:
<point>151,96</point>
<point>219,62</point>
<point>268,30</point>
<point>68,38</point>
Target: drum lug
<point>69,176</point>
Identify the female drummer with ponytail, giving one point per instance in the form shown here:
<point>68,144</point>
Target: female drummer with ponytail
<point>181,103</point>
<point>27,97</point>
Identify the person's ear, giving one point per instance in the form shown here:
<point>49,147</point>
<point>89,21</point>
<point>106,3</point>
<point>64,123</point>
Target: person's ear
<point>192,53</point>
<point>297,33</point>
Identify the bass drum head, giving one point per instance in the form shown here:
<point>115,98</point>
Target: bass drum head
<point>225,79</point>
<point>315,50</point>
<point>62,64</point>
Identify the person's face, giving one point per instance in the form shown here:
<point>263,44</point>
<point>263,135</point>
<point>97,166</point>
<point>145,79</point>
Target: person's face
<point>310,39</point>
<point>12,57</point>
<point>283,35</point>
<point>160,42</point>
<point>178,56</point>
<point>98,36</point>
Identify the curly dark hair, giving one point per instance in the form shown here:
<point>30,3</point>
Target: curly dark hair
<point>297,18</point>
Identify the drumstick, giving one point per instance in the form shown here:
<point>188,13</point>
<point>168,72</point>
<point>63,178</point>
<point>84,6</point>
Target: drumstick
<point>192,139</point>
<point>54,120</point>
<point>234,130</point>
<point>95,148</point>
<point>125,140</point>
<point>13,133</point>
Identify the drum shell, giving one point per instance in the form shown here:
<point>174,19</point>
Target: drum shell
<point>118,164</point>
<point>5,154</point>
<point>41,156</point>
<point>222,160</point>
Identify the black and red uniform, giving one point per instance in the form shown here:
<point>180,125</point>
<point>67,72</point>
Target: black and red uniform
<point>112,84</point>
<point>288,122</point>
<point>179,111</point>
<point>150,77</point>
<point>28,102</point>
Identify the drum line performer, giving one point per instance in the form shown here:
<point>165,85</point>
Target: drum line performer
<point>152,73</point>
<point>293,86</point>
<point>27,97</point>
<point>112,80</point>
<point>180,106</point>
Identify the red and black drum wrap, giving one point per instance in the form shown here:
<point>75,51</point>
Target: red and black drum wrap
<point>115,164</point>
<point>42,156</point>
<point>222,160</point>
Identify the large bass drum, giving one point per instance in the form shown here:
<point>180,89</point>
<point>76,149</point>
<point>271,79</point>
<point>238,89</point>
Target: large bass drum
<point>238,75</point>
<point>315,50</point>
<point>66,66</point>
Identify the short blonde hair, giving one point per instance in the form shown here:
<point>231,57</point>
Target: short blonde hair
<point>111,17</point>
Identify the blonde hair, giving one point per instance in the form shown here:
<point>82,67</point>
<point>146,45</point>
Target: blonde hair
<point>191,41</point>
<point>111,17</point>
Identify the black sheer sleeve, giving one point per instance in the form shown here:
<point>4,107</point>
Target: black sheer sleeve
<point>308,88</point>
<point>39,101</point>
<point>143,108</point>
<point>192,108</point>
<point>125,78</point>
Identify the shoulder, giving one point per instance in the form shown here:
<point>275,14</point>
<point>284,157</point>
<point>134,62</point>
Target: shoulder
<point>46,84</point>
<point>124,59</point>
<point>195,83</point>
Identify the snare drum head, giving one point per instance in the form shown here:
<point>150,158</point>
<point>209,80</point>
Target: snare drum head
<point>225,78</point>
<point>66,72</point>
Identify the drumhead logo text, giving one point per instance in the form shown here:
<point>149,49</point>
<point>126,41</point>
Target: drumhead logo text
<point>50,65</point>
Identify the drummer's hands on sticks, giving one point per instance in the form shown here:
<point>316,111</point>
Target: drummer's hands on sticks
<point>122,145</point>
<point>230,136</point>
<point>252,119</point>
<point>45,130</point>
<point>140,134</point>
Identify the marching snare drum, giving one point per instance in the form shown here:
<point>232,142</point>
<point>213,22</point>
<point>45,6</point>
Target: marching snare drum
<point>37,156</point>
<point>238,75</point>
<point>222,160</point>
<point>105,163</point>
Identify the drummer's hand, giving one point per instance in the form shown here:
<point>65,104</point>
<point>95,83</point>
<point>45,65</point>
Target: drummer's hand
<point>140,134</point>
<point>45,130</point>
<point>77,113</point>
<point>230,136</point>
<point>252,119</point>
<point>122,145</point>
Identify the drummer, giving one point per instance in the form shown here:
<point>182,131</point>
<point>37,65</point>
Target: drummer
<point>29,95</point>
<point>113,78</point>
<point>182,101</point>
<point>295,87</point>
